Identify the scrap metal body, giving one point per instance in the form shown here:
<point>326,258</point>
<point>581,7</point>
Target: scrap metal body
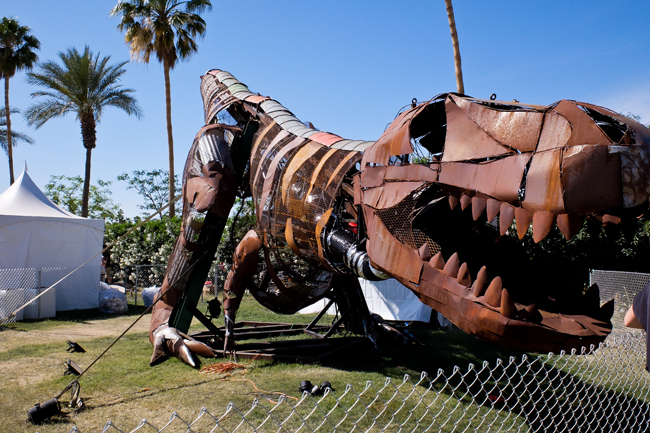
<point>330,209</point>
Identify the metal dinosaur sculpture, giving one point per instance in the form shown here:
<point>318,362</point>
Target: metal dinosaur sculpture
<point>409,206</point>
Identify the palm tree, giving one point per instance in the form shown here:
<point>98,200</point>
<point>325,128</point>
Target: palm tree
<point>16,53</point>
<point>163,28</point>
<point>454,40</point>
<point>15,136</point>
<point>84,85</point>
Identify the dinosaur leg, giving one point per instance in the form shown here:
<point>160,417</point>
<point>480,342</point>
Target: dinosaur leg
<point>244,265</point>
<point>208,197</point>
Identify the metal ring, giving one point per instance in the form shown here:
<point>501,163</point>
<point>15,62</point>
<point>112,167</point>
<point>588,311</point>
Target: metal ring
<point>493,97</point>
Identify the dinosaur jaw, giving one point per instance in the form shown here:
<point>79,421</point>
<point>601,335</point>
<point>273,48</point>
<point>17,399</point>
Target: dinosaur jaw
<point>481,278</point>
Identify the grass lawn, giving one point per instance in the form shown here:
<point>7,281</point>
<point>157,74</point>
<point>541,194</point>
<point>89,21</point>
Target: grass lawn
<point>123,388</point>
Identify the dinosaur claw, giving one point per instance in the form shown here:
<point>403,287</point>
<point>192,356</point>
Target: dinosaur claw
<point>167,341</point>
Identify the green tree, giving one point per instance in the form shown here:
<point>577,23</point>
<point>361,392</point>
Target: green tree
<point>67,192</point>
<point>15,136</point>
<point>84,85</point>
<point>16,53</point>
<point>168,29</point>
<point>153,186</point>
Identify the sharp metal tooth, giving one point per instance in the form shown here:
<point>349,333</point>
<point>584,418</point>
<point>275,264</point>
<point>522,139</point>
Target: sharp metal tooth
<point>479,286</point>
<point>425,252</point>
<point>465,201</point>
<point>478,206</point>
<point>524,217</point>
<point>493,293</point>
<point>569,225</point>
<point>542,224</point>
<point>492,209</point>
<point>508,308</point>
<point>506,216</point>
<point>532,314</point>
<point>437,261</point>
<point>611,219</point>
<point>464,277</point>
<point>453,202</point>
<point>452,266</point>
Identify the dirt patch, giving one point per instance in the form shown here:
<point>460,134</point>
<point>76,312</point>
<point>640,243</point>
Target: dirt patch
<point>12,338</point>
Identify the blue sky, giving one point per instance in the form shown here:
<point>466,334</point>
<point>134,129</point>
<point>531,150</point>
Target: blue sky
<point>346,66</point>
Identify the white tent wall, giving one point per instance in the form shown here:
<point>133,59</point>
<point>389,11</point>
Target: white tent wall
<point>38,237</point>
<point>388,298</point>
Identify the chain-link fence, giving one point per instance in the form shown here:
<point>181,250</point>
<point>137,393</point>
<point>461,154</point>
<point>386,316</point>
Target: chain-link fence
<point>620,286</point>
<point>80,290</point>
<point>603,389</point>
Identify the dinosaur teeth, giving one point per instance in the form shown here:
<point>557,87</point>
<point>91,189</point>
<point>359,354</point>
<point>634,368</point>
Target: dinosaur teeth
<point>465,201</point>
<point>463,276</point>
<point>524,217</point>
<point>479,286</point>
<point>569,225</point>
<point>453,201</point>
<point>531,314</point>
<point>437,262</point>
<point>425,252</point>
<point>452,266</point>
<point>508,308</point>
<point>493,293</point>
<point>542,224</point>
<point>478,206</point>
<point>507,215</point>
<point>492,209</point>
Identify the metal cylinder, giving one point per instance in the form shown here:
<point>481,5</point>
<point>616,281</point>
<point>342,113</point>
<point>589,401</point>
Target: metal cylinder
<point>341,248</point>
<point>42,412</point>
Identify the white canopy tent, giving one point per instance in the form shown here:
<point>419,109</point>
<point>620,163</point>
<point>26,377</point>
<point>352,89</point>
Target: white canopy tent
<point>388,298</point>
<point>36,235</point>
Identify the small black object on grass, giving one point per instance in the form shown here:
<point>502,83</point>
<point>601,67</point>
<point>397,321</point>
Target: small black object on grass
<point>72,368</point>
<point>42,412</point>
<point>74,347</point>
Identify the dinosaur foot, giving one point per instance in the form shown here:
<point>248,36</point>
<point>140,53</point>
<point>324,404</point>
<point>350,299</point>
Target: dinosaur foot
<point>170,342</point>
<point>486,309</point>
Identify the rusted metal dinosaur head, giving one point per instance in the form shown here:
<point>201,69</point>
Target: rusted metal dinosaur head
<point>451,175</point>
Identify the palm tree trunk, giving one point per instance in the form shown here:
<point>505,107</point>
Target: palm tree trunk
<point>89,137</point>
<point>454,40</point>
<point>170,140</point>
<point>10,150</point>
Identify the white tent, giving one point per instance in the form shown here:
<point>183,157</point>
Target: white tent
<point>388,298</point>
<point>37,236</point>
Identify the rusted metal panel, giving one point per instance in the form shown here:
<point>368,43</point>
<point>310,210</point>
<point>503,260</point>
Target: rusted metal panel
<point>415,172</point>
<point>543,189</point>
<point>356,145</point>
<point>465,139</point>
<point>394,192</point>
<point>556,132</point>
<point>590,174</point>
<point>256,99</point>
<point>238,87</point>
<point>499,179</point>
<point>515,129</point>
<point>325,138</point>
<point>388,254</point>
<point>584,130</point>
